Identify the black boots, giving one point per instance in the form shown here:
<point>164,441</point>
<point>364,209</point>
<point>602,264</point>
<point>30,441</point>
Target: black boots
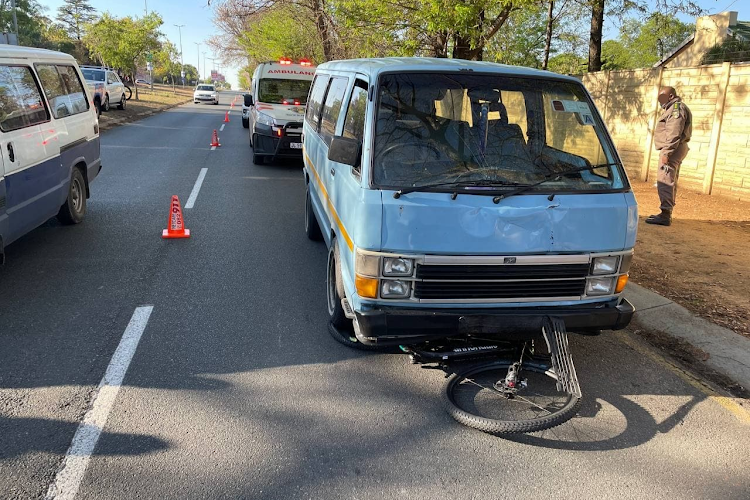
<point>662,219</point>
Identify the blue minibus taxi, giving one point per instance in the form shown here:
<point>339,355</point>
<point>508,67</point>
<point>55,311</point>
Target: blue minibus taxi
<point>464,198</point>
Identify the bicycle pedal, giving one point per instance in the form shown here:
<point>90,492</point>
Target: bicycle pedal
<point>556,336</point>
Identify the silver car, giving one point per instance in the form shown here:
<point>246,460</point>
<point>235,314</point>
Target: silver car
<point>205,92</point>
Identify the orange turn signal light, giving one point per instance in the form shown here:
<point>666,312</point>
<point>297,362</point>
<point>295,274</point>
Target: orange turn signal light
<point>621,282</point>
<point>366,287</point>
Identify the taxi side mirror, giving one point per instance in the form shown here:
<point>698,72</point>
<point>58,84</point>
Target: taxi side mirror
<point>345,150</point>
<point>248,100</point>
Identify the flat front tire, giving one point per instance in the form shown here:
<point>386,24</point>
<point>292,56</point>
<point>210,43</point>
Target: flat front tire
<point>74,208</point>
<point>335,289</point>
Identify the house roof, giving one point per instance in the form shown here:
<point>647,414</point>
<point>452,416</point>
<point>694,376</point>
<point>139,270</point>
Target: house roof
<point>741,30</point>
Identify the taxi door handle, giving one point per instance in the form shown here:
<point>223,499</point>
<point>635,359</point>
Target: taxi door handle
<point>333,171</point>
<point>11,153</point>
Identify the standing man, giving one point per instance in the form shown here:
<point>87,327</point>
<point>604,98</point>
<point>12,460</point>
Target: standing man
<point>672,134</point>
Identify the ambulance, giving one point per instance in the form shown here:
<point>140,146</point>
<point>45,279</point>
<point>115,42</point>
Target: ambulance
<point>276,108</point>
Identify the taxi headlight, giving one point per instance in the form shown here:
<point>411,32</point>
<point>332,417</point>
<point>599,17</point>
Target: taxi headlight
<point>599,286</point>
<point>394,289</point>
<point>397,266</point>
<point>265,119</point>
<point>604,265</point>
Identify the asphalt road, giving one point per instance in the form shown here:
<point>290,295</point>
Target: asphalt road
<point>237,391</point>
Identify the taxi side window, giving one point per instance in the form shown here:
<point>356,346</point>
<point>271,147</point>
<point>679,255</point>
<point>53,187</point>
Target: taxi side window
<point>354,125</point>
<point>21,103</point>
<point>63,89</point>
<point>332,108</point>
<point>315,103</point>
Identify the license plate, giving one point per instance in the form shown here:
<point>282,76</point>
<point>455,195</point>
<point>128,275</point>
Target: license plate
<point>295,145</point>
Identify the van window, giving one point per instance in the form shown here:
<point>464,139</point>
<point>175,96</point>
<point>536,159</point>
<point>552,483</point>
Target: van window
<point>354,125</point>
<point>74,88</point>
<point>63,90</point>
<point>280,91</point>
<point>317,94</point>
<point>20,102</point>
<point>332,108</point>
<point>489,131</point>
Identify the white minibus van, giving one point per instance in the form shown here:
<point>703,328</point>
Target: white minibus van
<point>49,141</point>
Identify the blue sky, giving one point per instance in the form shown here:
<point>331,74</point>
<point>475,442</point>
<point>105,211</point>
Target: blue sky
<point>196,16</point>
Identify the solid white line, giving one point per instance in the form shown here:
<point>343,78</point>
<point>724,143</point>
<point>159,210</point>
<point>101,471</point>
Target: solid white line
<point>222,127</point>
<point>213,148</point>
<point>196,189</point>
<point>69,477</point>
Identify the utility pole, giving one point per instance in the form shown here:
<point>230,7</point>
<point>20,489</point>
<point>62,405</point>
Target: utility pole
<point>182,65</point>
<point>15,20</point>
<point>145,6</point>
<point>199,59</point>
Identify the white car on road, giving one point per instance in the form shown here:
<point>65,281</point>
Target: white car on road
<point>205,92</point>
<point>114,88</point>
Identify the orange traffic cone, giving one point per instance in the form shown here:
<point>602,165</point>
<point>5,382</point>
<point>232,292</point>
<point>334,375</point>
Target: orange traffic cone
<point>226,117</point>
<point>215,140</point>
<point>175,223</point>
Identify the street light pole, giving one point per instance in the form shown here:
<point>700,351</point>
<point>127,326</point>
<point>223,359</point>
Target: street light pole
<point>182,65</point>
<point>204,65</point>
<point>199,59</point>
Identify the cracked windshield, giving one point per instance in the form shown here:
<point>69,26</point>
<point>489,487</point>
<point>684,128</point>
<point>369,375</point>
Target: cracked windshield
<point>438,128</point>
<point>367,250</point>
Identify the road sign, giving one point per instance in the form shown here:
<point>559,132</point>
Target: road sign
<point>149,66</point>
<point>182,74</point>
<point>149,56</point>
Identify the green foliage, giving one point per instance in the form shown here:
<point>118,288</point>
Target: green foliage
<point>124,42</point>
<point>507,47</point>
<point>730,50</point>
<point>567,63</point>
<point>74,15</point>
<point>282,32</point>
<point>643,44</point>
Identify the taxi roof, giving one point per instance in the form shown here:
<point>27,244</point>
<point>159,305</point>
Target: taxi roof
<point>375,66</point>
<point>19,52</point>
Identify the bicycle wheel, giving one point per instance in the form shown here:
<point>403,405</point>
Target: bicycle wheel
<point>476,399</point>
<point>128,92</point>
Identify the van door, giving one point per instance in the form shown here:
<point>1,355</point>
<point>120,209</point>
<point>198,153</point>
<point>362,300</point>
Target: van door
<point>327,170</point>
<point>313,145</point>
<point>29,173</point>
<point>347,181</point>
<point>3,213</point>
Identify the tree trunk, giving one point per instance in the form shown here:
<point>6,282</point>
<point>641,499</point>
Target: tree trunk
<point>548,41</point>
<point>595,40</point>
<point>322,25</point>
<point>462,47</point>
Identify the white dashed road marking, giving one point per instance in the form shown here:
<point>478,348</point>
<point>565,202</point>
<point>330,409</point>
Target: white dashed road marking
<point>68,478</point>
<point>222,127</point>
<point>196,188</point>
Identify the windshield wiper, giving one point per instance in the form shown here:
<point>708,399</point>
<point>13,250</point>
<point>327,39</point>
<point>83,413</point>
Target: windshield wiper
<point>549,177</point>
<point>482,183</point>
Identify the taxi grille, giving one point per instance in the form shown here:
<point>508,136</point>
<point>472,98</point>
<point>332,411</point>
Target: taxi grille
<point>500,281</point>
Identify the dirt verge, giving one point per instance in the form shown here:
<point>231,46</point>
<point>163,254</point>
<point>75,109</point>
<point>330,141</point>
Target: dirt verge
<point>702,261</point>
<point>148,103</point>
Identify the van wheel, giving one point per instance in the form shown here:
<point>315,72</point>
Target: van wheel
<point>335,289</point>
<point>122,102</point>
<point>245,123</point>
<point>105,107</point>
<point>312,229</point>
<point>259,159</point>
<point>74,208</point>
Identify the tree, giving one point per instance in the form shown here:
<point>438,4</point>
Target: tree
<point>730,50</point>
<point>595,38</point>
<point>642,44</point>
<point>123,43</point>
<point>75,15</point>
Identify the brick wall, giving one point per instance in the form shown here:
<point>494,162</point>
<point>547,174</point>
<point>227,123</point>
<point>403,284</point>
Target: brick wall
<point>719,97</point>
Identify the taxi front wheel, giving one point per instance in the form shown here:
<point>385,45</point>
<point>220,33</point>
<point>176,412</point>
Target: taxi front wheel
<point>335,289</point>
